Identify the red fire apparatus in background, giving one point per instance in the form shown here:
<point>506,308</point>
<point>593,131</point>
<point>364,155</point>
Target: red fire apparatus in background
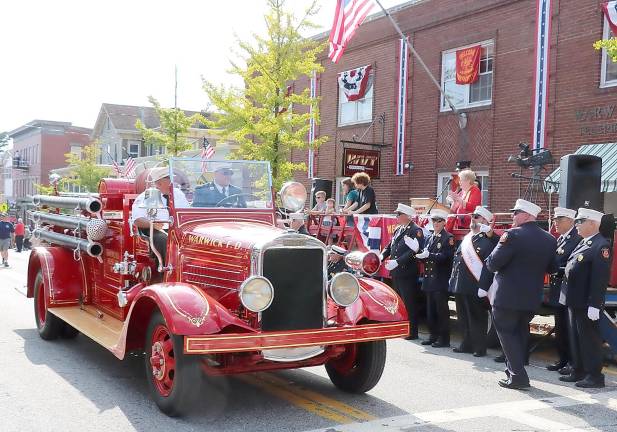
<point>235,293</point>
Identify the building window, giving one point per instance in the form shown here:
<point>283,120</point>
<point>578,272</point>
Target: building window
<point>360,111</point>
<point>481,176</point>
<point>76,150</point>
<point>609,67</point>
<point>133,149</point>
<point>468,95</point>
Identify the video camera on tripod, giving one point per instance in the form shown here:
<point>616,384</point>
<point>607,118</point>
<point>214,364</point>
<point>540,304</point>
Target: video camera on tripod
<point>526,158</point>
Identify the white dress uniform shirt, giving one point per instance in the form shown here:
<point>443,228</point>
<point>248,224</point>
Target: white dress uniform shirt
<point>137,212</point>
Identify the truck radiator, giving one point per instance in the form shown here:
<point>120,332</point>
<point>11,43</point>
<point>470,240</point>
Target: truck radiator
<point>298,279</point>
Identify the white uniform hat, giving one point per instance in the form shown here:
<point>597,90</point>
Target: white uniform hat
<point>527,207</point>
<point>587,213</point>
<point>405,209</point>
<point>484,212</point>
<point>159,173</point>
<point>439,213</point>
<point>564,212</point>
<point>338,250</point>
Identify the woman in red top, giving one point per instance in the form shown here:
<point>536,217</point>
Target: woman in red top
<point>465,201</point>
<point>20,230</point>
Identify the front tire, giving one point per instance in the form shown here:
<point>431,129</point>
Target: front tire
<point>173,377</point>
<point>360,368</point>
<point>48,325</point>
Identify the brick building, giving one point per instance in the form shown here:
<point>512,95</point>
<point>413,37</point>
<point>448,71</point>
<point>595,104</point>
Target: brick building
<point>39,147</point>
<point>582,94</point>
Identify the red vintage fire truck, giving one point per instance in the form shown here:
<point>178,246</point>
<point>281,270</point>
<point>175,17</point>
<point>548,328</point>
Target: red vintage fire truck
<point>231,293</point>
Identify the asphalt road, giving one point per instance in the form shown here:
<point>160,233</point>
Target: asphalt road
<point>76,385</point>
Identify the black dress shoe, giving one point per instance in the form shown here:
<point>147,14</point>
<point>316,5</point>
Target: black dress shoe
<point>440,344</point>
<point>412,337</point>
<point>556,366</point>
<point>500,359</point>
<point>566,370</point>
<point>428,342</point>
<point>509,384</point>
<point>573,377</point>
<point>461,350</point>
<point>591,383</point>
<point>479,353</point>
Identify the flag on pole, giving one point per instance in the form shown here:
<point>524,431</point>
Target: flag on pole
<point>610,11</point>
<point>207,152</point>
<point>348,16</point>
<point>129,168</point>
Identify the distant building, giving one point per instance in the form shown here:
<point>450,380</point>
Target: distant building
<point>39,147</point>
<point>6,176</point>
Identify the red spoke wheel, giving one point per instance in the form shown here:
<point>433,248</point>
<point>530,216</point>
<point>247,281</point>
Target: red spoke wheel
<point>48,325</point>
<point>360,367</point>
<point>174,378</point>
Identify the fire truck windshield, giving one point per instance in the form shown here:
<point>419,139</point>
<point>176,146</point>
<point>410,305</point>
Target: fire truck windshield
<point>217,183</point>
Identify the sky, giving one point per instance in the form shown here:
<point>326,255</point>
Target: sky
<point>60,60</point>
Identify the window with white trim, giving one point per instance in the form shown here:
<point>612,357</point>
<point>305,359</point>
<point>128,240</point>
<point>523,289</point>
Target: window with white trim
<point>481,177</point>
<point>360,111</point>
<point>608,74</point>
<point>133,148</point>
<point>468,95</point>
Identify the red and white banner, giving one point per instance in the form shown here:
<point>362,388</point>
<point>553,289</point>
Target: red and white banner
<point>311,133</point>
<point>540,97</point>
<point>610,11</point>
<point>355,83</point>
<point>401,108</point>
<point>468,65</point>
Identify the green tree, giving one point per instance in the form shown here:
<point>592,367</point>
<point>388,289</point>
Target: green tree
<point>172,132</point>
<point>257,115</point>
<point>84,170</point>
<point>610,45</point>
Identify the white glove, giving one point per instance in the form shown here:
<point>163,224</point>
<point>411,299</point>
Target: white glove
<point>593,313</point>
<point>562,299</point>
<point>423,254</point>
<point>412,243</point>
<point>482,293</point>
<point>391,265</point>
<point>484,228</point>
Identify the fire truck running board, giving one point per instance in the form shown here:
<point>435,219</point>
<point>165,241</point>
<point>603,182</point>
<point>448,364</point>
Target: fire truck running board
<point>101,328</point>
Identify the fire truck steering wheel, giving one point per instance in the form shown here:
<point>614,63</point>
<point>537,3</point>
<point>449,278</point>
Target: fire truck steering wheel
<point>238,203</point>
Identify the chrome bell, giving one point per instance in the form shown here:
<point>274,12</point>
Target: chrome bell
<point>153,199</point>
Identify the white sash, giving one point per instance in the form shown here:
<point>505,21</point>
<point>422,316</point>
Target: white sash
<point>475,264</point>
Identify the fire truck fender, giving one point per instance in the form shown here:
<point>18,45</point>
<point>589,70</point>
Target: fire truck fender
<point>186,308</point>
<point>377,303</point>
<point>63,277</point>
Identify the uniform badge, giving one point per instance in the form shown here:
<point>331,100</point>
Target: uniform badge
<point>451,241</point>
<point>503,238</point>
<point>438,245</point>
<point>580,257</point>
<point>560,251</point>
<point>568,236</point>
<point>589,242</point>
<point>605,253</point>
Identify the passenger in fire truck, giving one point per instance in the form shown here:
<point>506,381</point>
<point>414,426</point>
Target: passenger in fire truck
<point>583,291</point>
<point>219,192</point>
<point>336,261</point>
<point>139,216</point>
<point>563,221</point>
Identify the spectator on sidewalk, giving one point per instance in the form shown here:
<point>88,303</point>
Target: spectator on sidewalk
<point>20,231</point>
<point>6,235</point>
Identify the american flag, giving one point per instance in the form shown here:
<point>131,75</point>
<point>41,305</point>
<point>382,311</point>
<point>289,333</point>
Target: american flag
<point>129,168</point>
<point>117,168</point>
<point>207,152</point>
<point>347,18</point>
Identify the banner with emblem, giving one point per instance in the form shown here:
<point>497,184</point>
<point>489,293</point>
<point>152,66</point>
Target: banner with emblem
<point>468,65</point>
<point>355,83</point>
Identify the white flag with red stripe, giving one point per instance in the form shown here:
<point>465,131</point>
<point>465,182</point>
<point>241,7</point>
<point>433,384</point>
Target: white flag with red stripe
<point>129,168</point>
<point>348,16</point>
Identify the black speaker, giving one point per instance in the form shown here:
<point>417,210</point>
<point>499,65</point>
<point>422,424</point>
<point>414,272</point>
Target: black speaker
<point>579,185</point>
<point>320,185</point>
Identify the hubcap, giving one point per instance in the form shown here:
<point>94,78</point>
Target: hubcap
<point>162,360</point>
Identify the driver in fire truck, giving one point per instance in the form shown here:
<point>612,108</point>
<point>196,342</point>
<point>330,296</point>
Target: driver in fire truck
<point>219,192</point>
<point>159,177</point>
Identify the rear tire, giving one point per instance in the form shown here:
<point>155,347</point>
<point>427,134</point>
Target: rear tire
<point>48,325</point>
<point>360,368</point>
<point>174,378</point>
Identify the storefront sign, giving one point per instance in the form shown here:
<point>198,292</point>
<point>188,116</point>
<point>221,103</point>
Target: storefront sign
<point>355,161</point>
<point>597,120</point>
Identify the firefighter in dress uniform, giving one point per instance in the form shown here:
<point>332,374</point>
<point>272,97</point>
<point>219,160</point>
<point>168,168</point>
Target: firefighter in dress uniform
<point>437,258</point>
<point>336,261</point>
<point>407,240</point>
<point>583,290</point>
<point>468,274</point>
<point>523,256</point>
<point>563,221</point>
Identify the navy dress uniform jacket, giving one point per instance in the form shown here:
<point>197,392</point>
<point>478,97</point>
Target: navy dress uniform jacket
<point>587,273</point>
<point>565,246</point>
<point>438,264</point>
<point>208,195</point>
<point>399,251</point>
<point>520,261</point>
<point>462,280</point>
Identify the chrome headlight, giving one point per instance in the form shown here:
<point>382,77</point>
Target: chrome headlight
<point>256,293</point>
<point>344,289</point>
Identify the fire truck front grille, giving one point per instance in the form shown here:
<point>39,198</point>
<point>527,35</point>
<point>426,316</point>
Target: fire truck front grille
<point>298,279</point>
